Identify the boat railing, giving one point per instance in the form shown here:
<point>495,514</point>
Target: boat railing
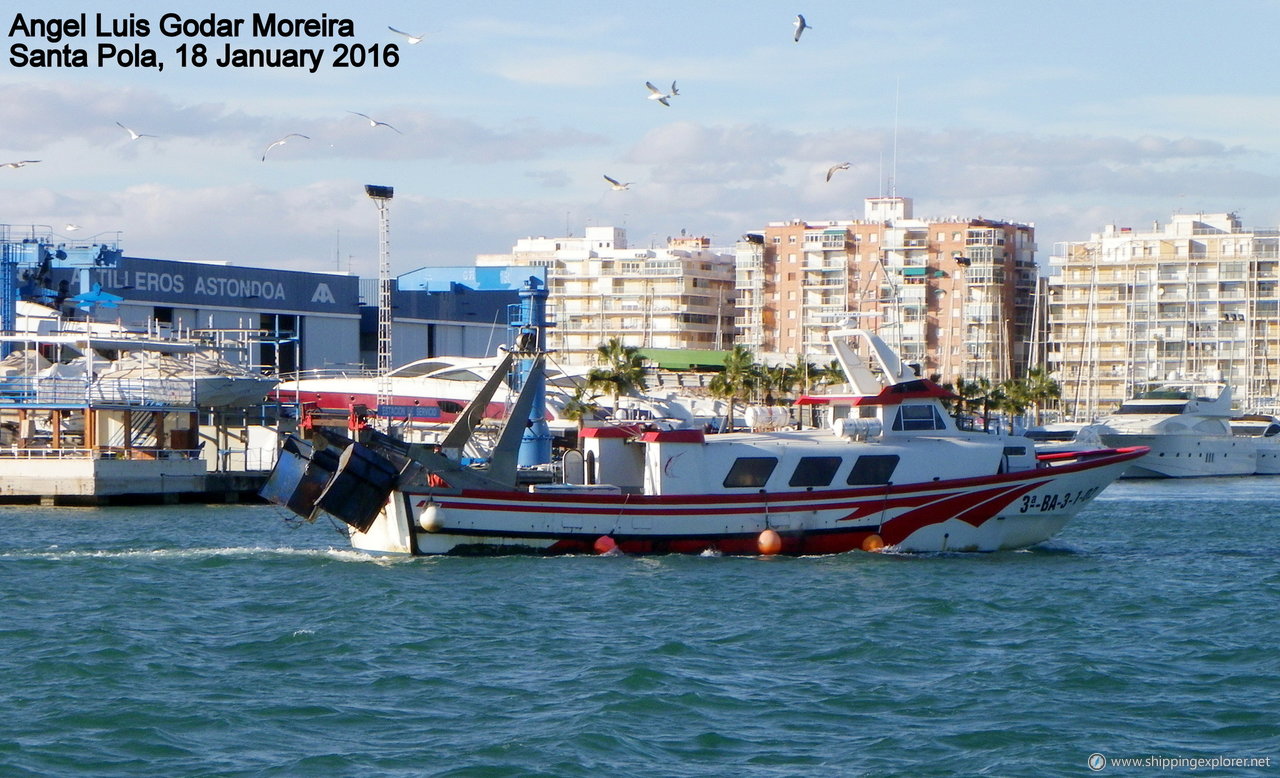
<point>1060,458</point>
<point>142,391</point>
<point>329,372</point>
<point>59,390</point>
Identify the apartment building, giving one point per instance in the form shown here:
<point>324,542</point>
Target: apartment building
<point>954,295</point>
<point>1194,299</point>
<point>680,296</point>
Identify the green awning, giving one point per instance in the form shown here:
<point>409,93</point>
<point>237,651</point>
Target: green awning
<point>684,358</point>
<point>914,271</point>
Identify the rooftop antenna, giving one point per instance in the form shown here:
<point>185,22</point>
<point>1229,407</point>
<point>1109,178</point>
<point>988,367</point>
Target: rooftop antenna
<point>880,176</point>
<point>893,173</point>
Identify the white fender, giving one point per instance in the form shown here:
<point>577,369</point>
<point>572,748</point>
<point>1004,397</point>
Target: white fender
<point>431,520</point>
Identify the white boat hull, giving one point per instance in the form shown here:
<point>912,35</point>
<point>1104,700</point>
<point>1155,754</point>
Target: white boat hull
<point>1268,457</point>
<point>1008,511</point>
<point>1189,456</point>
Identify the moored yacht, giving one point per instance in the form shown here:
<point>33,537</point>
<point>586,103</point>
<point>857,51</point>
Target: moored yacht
<point>1264,431</point>
<point>1186,426</point>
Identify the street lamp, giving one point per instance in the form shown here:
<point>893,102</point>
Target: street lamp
<point>381,196</point>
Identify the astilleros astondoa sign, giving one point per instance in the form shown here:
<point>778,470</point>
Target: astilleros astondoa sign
<point>193,284</point>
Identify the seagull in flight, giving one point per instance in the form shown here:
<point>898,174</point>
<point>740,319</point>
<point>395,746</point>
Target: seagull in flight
<point>19,163</point>
<point>374,122</point>
<point>282,141</point>
<point>133,135</point>
<point>657,94</point>
<point>617,185</point>
<point>801,26</point>
<point>411,38</point>
<point>72,227</point>
<point>831,171</point>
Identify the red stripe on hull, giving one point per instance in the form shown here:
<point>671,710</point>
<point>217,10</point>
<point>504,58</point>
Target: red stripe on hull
<point>809,543</point>
<point>974,508</point>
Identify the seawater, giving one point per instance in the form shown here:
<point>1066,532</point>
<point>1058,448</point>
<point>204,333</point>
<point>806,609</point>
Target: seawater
<point>225,641</point>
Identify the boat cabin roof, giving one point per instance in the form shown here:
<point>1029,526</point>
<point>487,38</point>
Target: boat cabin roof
<point>920,388</point>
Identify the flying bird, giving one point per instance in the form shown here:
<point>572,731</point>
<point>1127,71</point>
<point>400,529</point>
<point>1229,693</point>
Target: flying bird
<point>411,38</point>
<point>133,135</point>
<point>72,227</point>
<point>831,171</point>
<point>19,163</point>
<point>657,94</point>
<point>374,122</point>
<point>617,185</point>
<point>282,141</point>
<point>801,26</point>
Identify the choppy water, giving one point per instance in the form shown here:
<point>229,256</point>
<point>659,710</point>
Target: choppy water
<point>217,640</point>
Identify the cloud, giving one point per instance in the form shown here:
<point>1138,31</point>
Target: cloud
<point>45,116</point>
<point>944,161</point>
<point>430,136</point>
<point>552,179</point>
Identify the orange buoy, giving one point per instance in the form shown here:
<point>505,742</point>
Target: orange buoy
<point>769,542</point>
<point>872,543</point>
<point>604,544</point>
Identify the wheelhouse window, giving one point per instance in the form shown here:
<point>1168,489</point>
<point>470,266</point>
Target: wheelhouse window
<point>750,471</point>
<point>1153,408</point>
<point>815,471</point>
<point>873,469</point>
<point>918,417</point>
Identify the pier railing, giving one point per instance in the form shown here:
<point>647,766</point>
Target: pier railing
<point>15,452</point>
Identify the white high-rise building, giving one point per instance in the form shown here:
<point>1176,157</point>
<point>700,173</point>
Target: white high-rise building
<point>677,297</point>
<point>1197,298</point>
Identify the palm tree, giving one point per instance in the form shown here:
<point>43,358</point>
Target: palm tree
<point>1015,397</point>
<point>580,407</point>
<point>1041,389</point>
<point>971,394</point>
<point>831,373</point>
<point>739,377</point>
<point>622,370</point>
<point>778,380</point>
<point>806,374</point>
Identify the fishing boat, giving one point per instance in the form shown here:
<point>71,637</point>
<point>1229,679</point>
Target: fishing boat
<point>1187,427</point>
<point>1264,431</point>
<point>899,473</point>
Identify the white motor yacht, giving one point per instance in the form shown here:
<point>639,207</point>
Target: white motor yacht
<point>1264,431</point>
<point>1186,426</point>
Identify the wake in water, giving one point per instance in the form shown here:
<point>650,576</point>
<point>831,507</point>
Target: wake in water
<point>233,552</point>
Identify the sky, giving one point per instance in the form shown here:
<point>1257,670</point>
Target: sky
<point>508,115</point>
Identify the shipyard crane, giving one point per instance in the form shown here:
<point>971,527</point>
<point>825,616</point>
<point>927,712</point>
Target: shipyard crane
<point>28,261</point>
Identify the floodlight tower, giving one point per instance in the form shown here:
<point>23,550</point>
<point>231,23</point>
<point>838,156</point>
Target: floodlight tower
<point>381,196</point>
